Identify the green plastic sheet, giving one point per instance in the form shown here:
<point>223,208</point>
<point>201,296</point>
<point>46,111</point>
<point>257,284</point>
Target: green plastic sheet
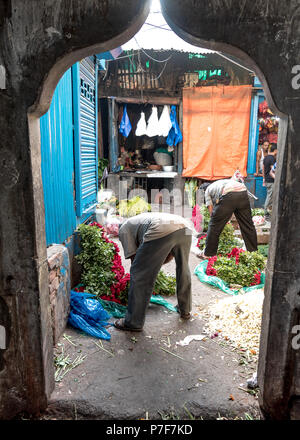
<point>157,299</point>
<point>114,309</point>
<point>118,310</point>
<point>200,271</point>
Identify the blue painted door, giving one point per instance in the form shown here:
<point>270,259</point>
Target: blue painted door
<point>57,155</point>
<point>86,134</point>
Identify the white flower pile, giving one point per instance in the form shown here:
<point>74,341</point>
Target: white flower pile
<point>238,319</point>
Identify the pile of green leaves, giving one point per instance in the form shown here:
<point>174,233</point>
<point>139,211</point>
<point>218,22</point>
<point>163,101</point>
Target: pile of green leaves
<point>243,273</point>
<point>102,164</point>
<point>96,258</point>
<point>257,211</point>
<point>263,249</point>
<point>227,240</point>
<point>165,284</point>
<point>206,217</point>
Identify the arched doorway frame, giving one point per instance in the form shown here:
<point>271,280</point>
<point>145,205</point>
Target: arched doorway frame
<point>43,102</point>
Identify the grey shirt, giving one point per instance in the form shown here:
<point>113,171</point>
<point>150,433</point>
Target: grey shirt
<point>215,190</point>
<point>149,226</point>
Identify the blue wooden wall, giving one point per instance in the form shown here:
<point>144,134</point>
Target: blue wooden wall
<point>58,163</point>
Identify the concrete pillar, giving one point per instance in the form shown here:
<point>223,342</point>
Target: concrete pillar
<point>26,376</point>
<point>265,37</point>
<point>279,361</point>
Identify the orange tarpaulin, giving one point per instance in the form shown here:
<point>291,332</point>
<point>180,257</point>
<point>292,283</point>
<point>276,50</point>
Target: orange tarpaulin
<point>215,131</point>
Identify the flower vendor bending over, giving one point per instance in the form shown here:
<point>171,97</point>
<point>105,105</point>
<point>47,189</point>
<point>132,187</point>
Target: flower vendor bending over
<point>224,198</point>
<point>151,240</point>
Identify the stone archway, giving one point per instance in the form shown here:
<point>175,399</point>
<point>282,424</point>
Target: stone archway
<point>36,47</point>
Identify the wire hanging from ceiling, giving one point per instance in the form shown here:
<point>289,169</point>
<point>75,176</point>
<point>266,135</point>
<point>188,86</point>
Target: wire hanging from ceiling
<point>163,69</point>
<point>149,56</point>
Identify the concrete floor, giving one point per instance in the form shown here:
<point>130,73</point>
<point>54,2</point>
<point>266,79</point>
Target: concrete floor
<point>140,380</point>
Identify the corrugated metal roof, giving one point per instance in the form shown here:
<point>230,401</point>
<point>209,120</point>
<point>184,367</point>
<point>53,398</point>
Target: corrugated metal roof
<point>152,51</point>
<point>161,42</point>
<point>156,34</point>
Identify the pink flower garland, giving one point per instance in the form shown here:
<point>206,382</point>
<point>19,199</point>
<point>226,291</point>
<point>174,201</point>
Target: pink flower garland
<point>197,218</point>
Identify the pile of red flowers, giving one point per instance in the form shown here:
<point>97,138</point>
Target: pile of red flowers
<point>235,253</point>
<point>210,270</point>
<point>257,279</point>
<point>119,289</point>
<point>102,271</point>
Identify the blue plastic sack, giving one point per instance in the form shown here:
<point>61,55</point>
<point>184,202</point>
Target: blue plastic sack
<point>174,135</point>
<point>200,271</point>
<point>87,314</point>
<point>125,125</point>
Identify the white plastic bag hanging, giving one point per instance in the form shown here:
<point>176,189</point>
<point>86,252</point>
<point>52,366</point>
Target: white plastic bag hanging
<point>141,128</point>
<point>152,127</point>
<point>164,123</point>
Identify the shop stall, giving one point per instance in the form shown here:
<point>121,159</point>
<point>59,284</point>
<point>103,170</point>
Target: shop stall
<point>145,141</point>
<point>264,127</point>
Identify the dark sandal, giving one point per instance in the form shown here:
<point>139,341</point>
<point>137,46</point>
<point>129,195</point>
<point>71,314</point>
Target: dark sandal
<point>185,316</point>
<point>120,325</point>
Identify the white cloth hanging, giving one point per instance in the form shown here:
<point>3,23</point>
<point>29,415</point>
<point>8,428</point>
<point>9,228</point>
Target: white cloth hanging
<point>152,127</point>
<point>164,123</point>
<point>141,128</point>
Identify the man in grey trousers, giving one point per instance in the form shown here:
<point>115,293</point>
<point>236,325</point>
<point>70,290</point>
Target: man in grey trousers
<point>151,240</point>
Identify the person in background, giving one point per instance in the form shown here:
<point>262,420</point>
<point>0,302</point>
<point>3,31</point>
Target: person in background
<point>260,155</point>
<point>150,240</point>
<point>124,160</point>
<point>273,169</point>
<point>224,198</point>
<point>268,180</point>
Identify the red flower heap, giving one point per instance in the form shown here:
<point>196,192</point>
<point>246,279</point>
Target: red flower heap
<point>257,279</point>
<point>210,269</point>
<point>122,279</point>
<point>235,253</point>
